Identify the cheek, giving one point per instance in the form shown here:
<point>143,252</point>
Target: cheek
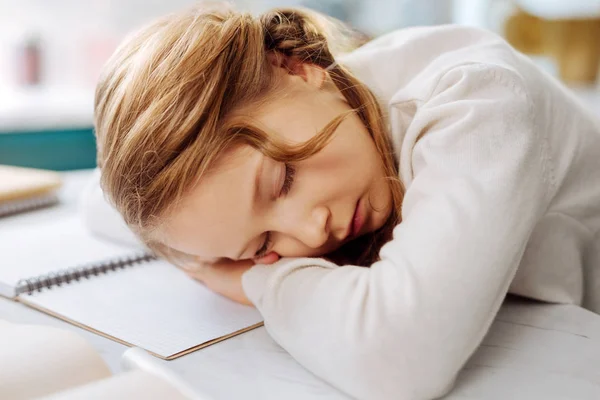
<point>288,247</point>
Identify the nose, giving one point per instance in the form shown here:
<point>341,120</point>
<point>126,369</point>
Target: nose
<point>311,229</point>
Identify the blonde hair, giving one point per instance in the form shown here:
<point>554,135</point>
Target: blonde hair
<point>163,99</point>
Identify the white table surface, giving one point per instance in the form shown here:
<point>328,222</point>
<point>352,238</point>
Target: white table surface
<point>533,350</point>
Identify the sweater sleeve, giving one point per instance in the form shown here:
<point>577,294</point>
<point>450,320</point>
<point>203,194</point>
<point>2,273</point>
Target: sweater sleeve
<point>403,328</point>
<point>101,218</point>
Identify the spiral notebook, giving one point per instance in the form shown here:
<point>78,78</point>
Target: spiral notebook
<point>123,293</point>
<point>24,189</point>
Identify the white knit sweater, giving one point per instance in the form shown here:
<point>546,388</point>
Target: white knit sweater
<point>502,170</point>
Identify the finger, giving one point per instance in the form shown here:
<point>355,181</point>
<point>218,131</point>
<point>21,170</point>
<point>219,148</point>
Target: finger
<point>267,259</point>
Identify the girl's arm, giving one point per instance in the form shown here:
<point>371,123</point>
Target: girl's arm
<point>404,328</point>
<point>101,218</point>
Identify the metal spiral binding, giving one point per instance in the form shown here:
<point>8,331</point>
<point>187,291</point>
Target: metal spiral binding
<point>66,276</point>
<point>15,207</point>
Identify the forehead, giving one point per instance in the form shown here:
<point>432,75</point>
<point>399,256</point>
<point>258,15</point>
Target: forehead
<point>212,220</point>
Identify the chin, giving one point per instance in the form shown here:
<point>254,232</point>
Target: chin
<point>313,253</point>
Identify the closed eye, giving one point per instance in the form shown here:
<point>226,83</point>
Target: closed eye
<point>290,174</point>
<point>263,250</point>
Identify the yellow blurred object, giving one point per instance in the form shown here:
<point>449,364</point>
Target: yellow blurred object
<point>573,43</point>
<point>26,189</point>
<point>17,183</point>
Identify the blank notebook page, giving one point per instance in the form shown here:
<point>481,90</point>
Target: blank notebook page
<point>51,246</point>
<point>152,305</point>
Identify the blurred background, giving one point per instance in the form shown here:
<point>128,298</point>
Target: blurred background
<point>51,52</point>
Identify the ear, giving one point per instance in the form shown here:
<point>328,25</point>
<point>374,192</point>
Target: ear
<point>310,73</point>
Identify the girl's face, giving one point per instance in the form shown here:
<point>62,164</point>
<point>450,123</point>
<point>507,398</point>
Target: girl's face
<point>248,198</point>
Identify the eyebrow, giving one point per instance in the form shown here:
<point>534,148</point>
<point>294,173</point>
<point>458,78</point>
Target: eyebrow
<point>256,193</point>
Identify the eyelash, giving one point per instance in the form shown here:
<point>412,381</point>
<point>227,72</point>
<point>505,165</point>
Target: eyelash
<point>290,173</point>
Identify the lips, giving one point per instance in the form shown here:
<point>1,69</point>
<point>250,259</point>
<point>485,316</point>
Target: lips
<point>356,222</point>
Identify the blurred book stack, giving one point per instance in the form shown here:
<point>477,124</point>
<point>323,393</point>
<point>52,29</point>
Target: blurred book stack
<point>24,189</point>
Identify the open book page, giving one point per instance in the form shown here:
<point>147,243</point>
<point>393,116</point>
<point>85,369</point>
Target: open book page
<point>126,386</point>
<point>39,360</point>
<point>152,305</point>
<point>51,246</point>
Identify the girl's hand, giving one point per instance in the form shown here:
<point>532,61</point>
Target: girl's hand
<point>225,277</point>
